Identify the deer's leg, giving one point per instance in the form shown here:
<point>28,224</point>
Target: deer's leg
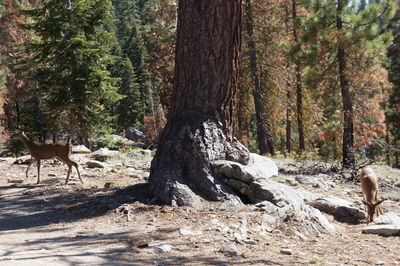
<point>378,208</point>
<point>79,175</point>
<point>38,170</point>
<point>77,169</point>
<point>29,165</point>
<point>69,173</point>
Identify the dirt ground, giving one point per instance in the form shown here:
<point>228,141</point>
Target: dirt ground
<point>109,221</point>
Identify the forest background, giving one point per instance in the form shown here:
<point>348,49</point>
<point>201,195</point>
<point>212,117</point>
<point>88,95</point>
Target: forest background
<point>312,84</point>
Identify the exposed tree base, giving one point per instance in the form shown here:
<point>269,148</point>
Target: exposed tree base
<point>181,170</point>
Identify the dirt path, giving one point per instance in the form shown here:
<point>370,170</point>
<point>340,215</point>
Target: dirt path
<point>55,224</point>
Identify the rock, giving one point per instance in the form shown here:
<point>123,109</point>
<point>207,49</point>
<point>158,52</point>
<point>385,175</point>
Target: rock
<point>383,229</point>
<point>338,207</point>
<point>229,249</point>
<point>259,166</point>
<point>300,235</point>
<point>237,185</point>
<point>379,262</point>
<point>286,251</point>
<point>80,149</point>
<point>306,180</point>
<point>134,134</point>
<point>268,223</point>
<point>95,164</point>
<point>279,194</point>
<point>287,204</point>
<point>161,247</point>
<point>102,154</point>
<point>388,218</point>
<point>139,153</point>
<point>230,205</point>
<point>397,184</point>
<point>184,196</point>
<point>185,231</point>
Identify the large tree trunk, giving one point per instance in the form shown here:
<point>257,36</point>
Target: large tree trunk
<point>264,136</point>
<point>200,125</point>
<point>299,88</point>
<point>348,141</point>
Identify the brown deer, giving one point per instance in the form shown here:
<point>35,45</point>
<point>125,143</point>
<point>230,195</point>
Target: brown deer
<point>40,151</point>
<point>369,187</point>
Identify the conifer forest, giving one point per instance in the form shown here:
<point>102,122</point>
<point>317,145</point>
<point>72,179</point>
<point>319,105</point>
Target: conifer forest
<point>179,106</point>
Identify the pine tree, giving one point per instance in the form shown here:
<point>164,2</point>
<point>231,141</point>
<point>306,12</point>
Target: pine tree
<point>70,55</point>
<point>341,43</point>
<point>200,125</point>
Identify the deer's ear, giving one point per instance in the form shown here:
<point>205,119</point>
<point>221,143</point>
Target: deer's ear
<point>379,202</point>
<point>366,203</point>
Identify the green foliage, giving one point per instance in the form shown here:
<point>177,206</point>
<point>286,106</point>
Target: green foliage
<point>363,39</point>
<point>129,24</point>
<point>107,142</point>
<point>70,56</point>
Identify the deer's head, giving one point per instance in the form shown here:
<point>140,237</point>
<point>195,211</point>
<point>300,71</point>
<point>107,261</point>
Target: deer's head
<point>371,207</point>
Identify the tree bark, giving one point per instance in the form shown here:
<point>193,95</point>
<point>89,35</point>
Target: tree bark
<point>299,88</point>
<point>348,141</point>
<point>200,123</point>
<point>387,139</point>
<point>289,108</point>
<point>264,136</point>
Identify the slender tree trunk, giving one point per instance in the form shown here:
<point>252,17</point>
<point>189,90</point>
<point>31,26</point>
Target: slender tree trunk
<point>289,108</point>
<point>396,156</point>
<point>299,88</point>
<point>387,139</point>
<point>200,123</point>
<point>289,120</point>
<point>348,141</point>
<point>264,136</point>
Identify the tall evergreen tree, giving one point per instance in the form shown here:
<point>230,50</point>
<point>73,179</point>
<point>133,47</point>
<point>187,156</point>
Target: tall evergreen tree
<point>264,134</point>
<point>338,40</point>
<point>201,121</point>
<point>130,22</point>
<point>70,56</point>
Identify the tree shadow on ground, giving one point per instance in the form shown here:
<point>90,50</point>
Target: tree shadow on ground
<point>29,206</point>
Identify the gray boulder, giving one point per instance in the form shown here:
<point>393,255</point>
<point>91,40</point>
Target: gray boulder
<point>388,218</point>
<point>80,149</point>
<point>258,166</point>
<point>383,229</point>
<point>387,224</point>
<point>286,203</point>
<point>134,134</point>
<point>139,153</point>
<point>306,180</point>
<point>103,154</point>
<point>95,164</point>
<point>337,207</point>
<point>278,201</point>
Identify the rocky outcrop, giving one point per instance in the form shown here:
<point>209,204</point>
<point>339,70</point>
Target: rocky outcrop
<point>387,224</point>
<point>278,201</point>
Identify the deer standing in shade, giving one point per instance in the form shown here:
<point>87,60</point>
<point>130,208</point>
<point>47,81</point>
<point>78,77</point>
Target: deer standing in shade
<point>41,151</point>
<point>369,187</point>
